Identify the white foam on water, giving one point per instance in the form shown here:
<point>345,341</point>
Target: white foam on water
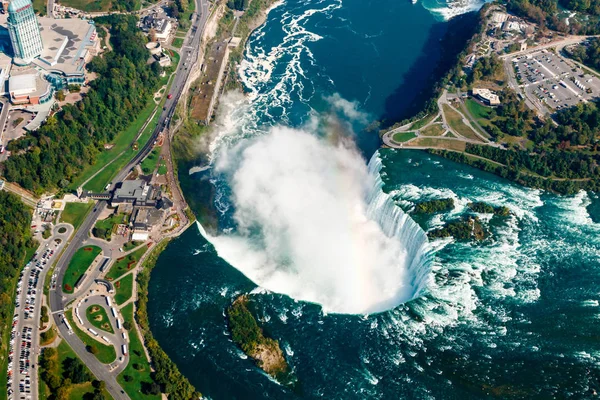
<point>452,8</point>
<point>315,224</point>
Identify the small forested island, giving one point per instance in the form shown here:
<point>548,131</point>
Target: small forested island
<point>484,208</point>
<point>434,206</point>
<point>247,334</point>
<point>461,229</point>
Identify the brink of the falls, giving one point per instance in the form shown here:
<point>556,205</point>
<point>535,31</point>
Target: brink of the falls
<point>312,222</point>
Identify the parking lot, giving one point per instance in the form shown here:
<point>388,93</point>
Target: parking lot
<point>552,80</point>
<point>24,335</point>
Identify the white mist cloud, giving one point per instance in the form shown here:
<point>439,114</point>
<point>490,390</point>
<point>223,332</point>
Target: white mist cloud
<point>350,109</point>
<point>303,228</point>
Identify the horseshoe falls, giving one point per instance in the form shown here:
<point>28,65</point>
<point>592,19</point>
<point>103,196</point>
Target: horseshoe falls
<point>311,218</point>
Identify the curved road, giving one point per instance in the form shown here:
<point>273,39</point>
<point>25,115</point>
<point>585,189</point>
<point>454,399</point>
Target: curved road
<point>57,300</point>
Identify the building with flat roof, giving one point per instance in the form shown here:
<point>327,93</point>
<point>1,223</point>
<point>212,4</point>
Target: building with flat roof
<point>487,96</point>
<point>136,192</point>
<point>29,88</point>
<point>24,31</point>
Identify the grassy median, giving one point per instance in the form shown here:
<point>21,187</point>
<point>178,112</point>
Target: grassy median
<point>123,288</point>
<point>81,261</point>
<point>98,317</point>
<point>74,213</point>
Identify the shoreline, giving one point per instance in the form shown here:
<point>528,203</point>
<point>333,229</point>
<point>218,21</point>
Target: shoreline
<point>147,264</point>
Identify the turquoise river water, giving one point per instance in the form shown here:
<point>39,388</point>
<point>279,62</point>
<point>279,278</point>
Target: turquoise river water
<point>310,220</point>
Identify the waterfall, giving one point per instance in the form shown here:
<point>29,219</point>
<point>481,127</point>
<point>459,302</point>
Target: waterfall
<point>315,224</point>
<point>395,223</point>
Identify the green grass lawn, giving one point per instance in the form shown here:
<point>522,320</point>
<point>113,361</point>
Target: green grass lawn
<point>477,110</point>
<point>177,43</point>
<point>88,5</point>
<point>439,143</point>
<point>80,262</point>
<point>149,163</point>
<point>98,317</point>
<point>125,264</point>
<point>106,354</point>
<point>422,122</point>
<point>433,130</point>
<point>400,137</point>
<point>123,289</point>
<point>162,169</point>
<point>136,357</point>
<point>455,120</point>
<point>74,213</point>
<point>39,6</point>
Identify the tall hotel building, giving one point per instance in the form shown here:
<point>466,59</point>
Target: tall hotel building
<point>24,31</point>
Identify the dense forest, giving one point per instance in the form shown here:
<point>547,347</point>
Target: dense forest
<point>545,13</point>
<point>588,54</point>
<point>15,244</point>
<point>52,156</point>
<point>434,206</point>
<point>485,68</point>
<point>484,208</point>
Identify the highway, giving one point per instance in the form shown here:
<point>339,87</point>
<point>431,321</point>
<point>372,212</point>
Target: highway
<point>57,300</point>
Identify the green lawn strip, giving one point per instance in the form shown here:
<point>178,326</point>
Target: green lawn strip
<point>150,162</point>
<point>177,42</point>
<point>162,169</point>
<point>104,177</point>
<point>131,378</point>
<point>438,142</point>
<point>123,289</point>
<point>105,353</point>
<point>455,120</point>
<point>98,317</point>
<point>433,130</point>
<point>125,264</point>
<point>400,137</point>
<point>88,5</point>
<point>80,262</point>
<point>477,110</point>
<point>422,122</point>
<point>121,142</point>
<point>74,213</point>
<point>6,323</point>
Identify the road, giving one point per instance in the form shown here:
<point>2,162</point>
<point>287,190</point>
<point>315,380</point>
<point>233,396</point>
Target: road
<point>56,299</point>
<point>116,339</point>
<point>28,313</point>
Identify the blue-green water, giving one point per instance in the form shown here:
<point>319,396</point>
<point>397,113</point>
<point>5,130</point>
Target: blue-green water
<point>515,316</point>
